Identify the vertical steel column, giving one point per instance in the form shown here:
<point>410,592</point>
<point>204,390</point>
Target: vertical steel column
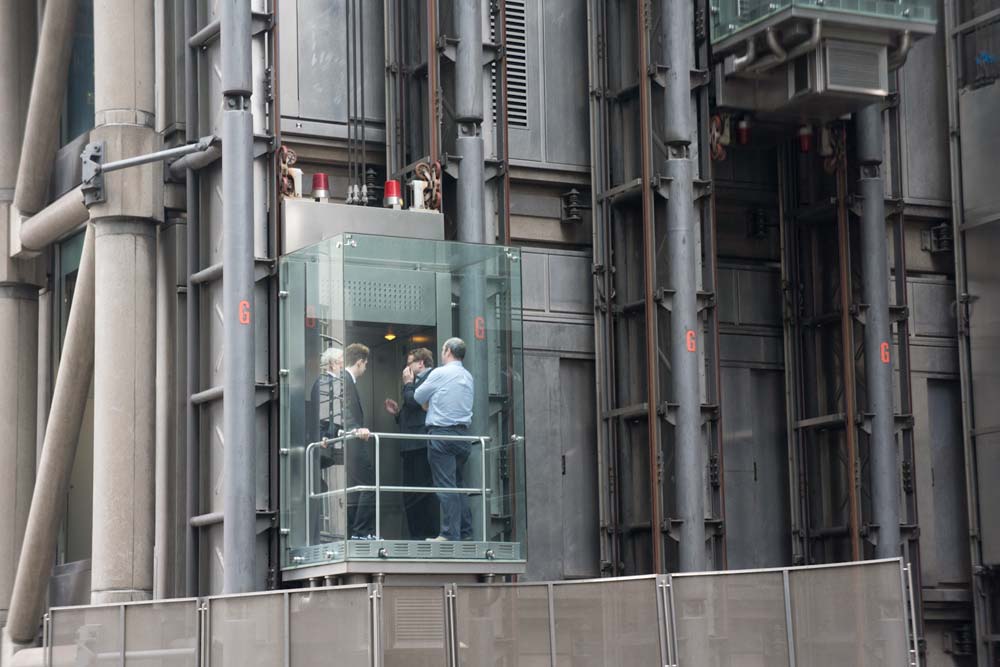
<point>878,344</point>
<point>240,503</point>
<point>681,248</point>
<point>469,117</point>
<point>193,240</point>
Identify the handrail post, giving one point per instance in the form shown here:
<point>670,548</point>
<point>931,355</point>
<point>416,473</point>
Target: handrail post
<point>309,493</point>
<point>378,486</point>
<point>482,481</point>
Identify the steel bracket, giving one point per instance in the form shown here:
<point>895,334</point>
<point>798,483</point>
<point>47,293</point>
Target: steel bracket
<point>664,296</point>
<point>92,176</point>
<point>900,422</point>
<point>668,411</point>
<point>447,46</point>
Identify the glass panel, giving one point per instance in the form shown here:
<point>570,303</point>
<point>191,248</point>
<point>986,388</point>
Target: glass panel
<point>363,322</point>
<point>161,634</point>
<point>731,619</point>
<point>86,636</point>
<point>502,625</point>
<point>611,623</point>
<point>413,626</point>
<point>851,615</point>
<point>79,110</point>
<point>730,16</point>
<point>247,630</point>
<point>330,627</point>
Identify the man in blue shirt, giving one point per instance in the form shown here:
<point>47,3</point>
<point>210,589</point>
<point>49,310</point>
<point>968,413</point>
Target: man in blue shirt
<point>447,393</point>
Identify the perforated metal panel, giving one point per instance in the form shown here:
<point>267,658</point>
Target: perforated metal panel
<point>387,295</point>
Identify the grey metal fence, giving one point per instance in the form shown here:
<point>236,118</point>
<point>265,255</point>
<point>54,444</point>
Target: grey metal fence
<point>820,616</point>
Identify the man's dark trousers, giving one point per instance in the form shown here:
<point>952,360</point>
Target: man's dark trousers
<point>447,459</point>
<point>421,508</point>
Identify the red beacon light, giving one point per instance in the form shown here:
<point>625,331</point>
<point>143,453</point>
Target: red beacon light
<point>321,187</point>
<point>393,197</point>
<point>805,138</point>
<point>743,132</point>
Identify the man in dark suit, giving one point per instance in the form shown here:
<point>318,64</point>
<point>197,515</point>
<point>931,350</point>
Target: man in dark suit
<point>421,508</point>
<point>360,455</point>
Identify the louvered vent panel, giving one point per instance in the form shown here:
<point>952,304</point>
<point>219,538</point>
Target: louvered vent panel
<point>851,68</point>
<point>517,67</point>
<point>517,63</point>
<point>418,620</point>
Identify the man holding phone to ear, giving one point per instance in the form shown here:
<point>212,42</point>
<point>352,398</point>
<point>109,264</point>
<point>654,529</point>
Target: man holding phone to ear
<point>420,508</point>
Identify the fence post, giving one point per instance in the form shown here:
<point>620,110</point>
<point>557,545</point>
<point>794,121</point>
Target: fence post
<point>663,616</point>
<point>790,632</point>
<point>286,634</point>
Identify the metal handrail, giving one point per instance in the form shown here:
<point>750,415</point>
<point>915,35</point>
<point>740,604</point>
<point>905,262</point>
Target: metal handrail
<point>346,436</point>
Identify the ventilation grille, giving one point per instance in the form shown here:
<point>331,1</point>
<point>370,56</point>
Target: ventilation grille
<point>854,69</point>
<point>517,63</point>
<point>419,620</point>
<point>385,295</point>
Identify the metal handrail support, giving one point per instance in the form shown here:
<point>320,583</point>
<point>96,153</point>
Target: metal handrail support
<point>345,436</point>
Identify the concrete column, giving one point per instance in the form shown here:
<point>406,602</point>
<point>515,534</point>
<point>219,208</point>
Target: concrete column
<point>48,501</point>
<point>18,370</point>
<point>18,304</point>
<point>48,89</point>
<point>125,304</point>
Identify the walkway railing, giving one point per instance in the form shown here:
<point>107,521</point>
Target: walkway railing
<point>858,614</point>
<point>350,439</point>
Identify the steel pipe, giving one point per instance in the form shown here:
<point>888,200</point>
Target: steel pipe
<point>239,528</point>
<point>48,87</point>
<point>195,161</point>
<point>61,436</point>
<point>60,218</point>
<point>469,114</point>
<point>878,335</point>
<point>192,450</point>
<point>685,328</point>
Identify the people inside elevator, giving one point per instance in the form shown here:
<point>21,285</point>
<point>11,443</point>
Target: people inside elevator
<point>447,394</point>
<point>420,508</point>
<point>326,397</point>
<point>360,455</point>
<point>325,416</point>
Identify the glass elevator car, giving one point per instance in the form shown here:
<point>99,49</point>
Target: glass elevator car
<point>395,296</point>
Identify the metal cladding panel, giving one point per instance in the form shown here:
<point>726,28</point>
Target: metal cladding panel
<point>940,477</point>
<point>980,147</point>
<point>559,401</point>
<point>756,470</point>
<point>314,61</point>
<point>551,124</point>
<point>924,131</point>
<point>982,245</point>
<point>306,222</point>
